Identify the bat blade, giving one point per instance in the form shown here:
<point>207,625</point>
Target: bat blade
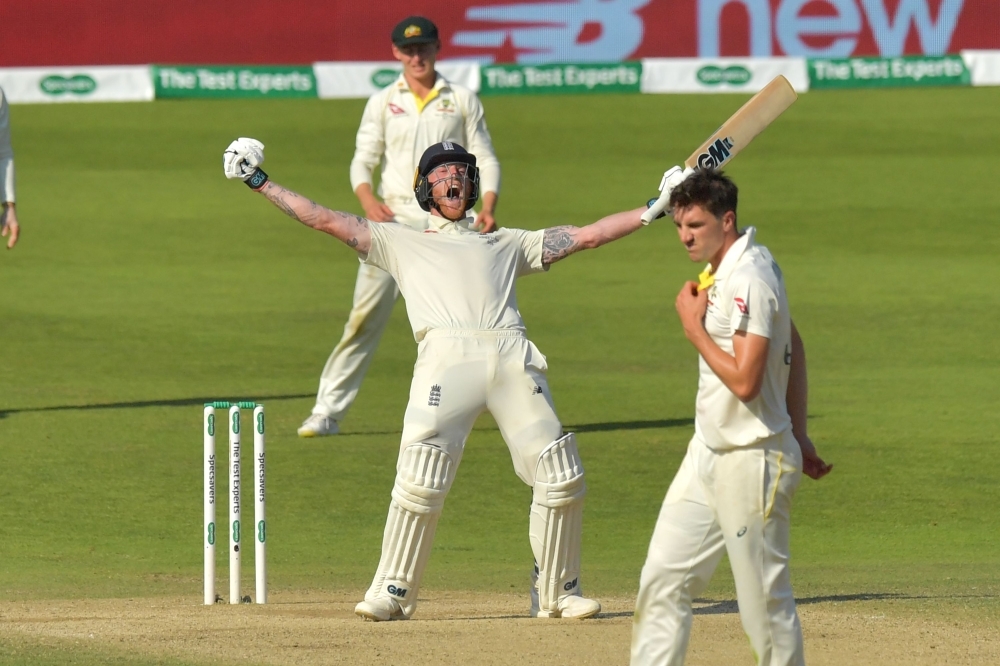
<point>736,133</point>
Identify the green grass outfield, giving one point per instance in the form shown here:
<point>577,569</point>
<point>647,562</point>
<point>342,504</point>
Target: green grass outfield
<point>146,283</point>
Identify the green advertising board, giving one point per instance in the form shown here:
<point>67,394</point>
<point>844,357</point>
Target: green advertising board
<point>252,81</point>
<point>564,78</point>
<point>825,73</point>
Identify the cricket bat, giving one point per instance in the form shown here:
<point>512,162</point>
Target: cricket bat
<point>736,133</point>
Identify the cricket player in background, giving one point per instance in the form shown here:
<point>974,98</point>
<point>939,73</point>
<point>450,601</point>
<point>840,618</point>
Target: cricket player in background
<point>8,216</point>
<point>417,110</point>
<point>473,355</point>
<point>734,488</point>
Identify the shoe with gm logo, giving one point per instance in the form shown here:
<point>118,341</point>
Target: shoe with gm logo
<point>380,609</point>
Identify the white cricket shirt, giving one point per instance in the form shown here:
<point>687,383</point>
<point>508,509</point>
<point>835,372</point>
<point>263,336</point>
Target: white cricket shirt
<point>6,153</point>
<point>397,127</point>
<point>748,295</point>
<point>454,278</point>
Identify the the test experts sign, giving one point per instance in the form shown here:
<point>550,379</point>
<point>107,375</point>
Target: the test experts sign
<point>214,81</point>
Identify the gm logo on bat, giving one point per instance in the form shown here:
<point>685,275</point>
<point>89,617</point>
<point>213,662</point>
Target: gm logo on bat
<point>717,154</point>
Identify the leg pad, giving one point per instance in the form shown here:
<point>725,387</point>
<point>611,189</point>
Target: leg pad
<point>557,523</point>
<point>424,476</point>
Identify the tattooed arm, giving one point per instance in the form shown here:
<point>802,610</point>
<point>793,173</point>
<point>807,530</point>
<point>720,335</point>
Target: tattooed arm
<point>350,229</point>
<point>560,242</point>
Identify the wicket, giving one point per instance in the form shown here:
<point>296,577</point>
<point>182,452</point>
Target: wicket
<point>233,499</point>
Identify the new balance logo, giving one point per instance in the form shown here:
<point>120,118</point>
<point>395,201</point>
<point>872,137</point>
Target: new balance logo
<point>536,391</point>
<point>434,399</point>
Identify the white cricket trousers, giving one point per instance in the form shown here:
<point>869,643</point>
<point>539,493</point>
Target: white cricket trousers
<point>375,293</point>
<point>738,501</point>
<point>460,374</point>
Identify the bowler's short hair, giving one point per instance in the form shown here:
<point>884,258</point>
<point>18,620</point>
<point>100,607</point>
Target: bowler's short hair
<point>712,190</point>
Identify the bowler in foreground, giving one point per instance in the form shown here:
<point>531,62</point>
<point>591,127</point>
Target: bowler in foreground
<point>734,488</point>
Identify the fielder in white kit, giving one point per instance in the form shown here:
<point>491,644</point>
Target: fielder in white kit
<point>473,355</point>
<point>8,214</point>
<point>734,488</point>
<point>415,111</point>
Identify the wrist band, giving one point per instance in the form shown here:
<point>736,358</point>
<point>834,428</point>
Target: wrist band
<point>257,180</point>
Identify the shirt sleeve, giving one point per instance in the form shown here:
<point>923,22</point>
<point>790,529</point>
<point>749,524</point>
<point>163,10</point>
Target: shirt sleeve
<point>370,143</point>
<point>480,144</point>
<point>381,252</point>
<point>753,305</point>
<point>529,251</point>
<point>6,153</point>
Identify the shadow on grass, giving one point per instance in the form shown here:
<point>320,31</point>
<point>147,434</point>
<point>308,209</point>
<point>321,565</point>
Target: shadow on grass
<point>729,606</point>
<point>581,427</point>
<point>180,402</point>
<point>191,402</point>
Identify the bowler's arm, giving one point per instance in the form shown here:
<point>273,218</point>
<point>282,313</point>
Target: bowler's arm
<point>350,229</point>
<point>560,242</point>
<point>742,371</point>
<point>797,403</point>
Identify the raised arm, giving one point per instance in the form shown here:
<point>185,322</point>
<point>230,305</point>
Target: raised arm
<point>560,242</point>
<point>352,230</point>
<point>242,160</point>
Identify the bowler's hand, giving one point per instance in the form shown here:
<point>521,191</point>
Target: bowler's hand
<point>812,465</point>
<point>691,305</point>
<point>485,222</point>
<point>8,221</point>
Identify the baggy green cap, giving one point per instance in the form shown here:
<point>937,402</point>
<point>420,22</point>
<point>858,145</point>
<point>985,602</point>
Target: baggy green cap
<point>414,30</point>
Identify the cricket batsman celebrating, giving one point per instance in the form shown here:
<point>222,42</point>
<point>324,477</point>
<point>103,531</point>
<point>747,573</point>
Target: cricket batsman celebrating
<point>418,109</point>
<point>734,488</point>
<point>473,355</point>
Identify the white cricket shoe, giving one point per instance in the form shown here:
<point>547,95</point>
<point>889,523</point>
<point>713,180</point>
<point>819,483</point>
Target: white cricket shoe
<point>572,607</point>
<point>318,425</point>
<point>380,609</point>
<point>569,607</point>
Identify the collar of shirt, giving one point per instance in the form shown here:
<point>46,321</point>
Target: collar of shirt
<point>446,226</point>
<point>734,253</point>
<point>440,83</point>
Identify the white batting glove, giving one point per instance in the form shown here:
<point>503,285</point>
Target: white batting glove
<point>242,158</point>
<point>671,178</point>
